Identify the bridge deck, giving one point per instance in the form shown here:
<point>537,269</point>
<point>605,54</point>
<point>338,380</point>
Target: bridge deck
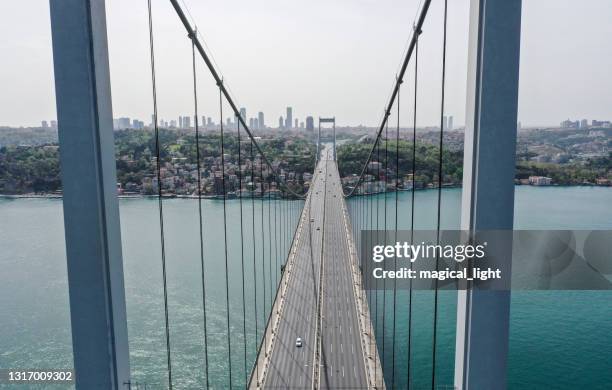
<point>322,245</point>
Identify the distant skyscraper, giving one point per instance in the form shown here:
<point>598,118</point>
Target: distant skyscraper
<point>54,125</point>
<point>187,122</point>
<point>289,118</point>
<point>209,122</point>
<point>44,124</point>
<point>173,124</point>
<point>243,113</point>
<point>251,123</point>
<point>260,119</point>
<point>295,124</point>
<point>584,124</point>
<point>450,123</point>
<point>124,123</point>
<point>280,122</point>
<point>445,122</point>
<point>180,122</point>
<point>309,123</point>
<point>228,122</point>
<point>256,124</point>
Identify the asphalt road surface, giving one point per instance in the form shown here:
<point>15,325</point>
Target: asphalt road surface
<point>342,363</point>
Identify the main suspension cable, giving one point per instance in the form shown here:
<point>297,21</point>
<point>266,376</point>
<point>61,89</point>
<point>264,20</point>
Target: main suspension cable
<point>223,89</point>
<point>416,32</point>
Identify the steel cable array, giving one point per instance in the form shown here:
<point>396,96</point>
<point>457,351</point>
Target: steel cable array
<point>370,188</point>
<point>277,224</point>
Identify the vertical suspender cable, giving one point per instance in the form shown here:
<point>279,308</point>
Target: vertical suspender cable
<point>263,252</point>
<point>227,317</point>
<point>276,239</point>
<point>414,149</point>
<point>246,373</point>
<point>270,245</point>
<point>376,292</point>
<point>199,169</point>
<point>254,255</point>
<point>397,179</point>
<point>159,195</point>
<point>371,242</point>
<point>385,243</point>
<point>435,324</point>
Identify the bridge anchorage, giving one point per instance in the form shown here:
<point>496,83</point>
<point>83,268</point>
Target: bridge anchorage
<point>323,325</point>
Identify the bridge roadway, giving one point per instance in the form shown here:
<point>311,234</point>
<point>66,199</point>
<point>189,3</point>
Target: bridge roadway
<point>321,245</point>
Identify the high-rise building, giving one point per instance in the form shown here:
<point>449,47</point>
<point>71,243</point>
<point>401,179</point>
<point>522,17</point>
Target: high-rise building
<point>187,121</point>
<point>256,124</point>
<point>450,123</point>
<point>309,123</point>
<point>209,122</point>
<point>280,122</point>
<point>568,124</point>
<point>584,124</point>
<point>124,123</point>
<point>243,114</point>
<point>251,123</point>
<point>54,125</point>
<point>295,124</point>
<point>44,124</point>
<point>172,124</point>
<point>180,122</point>
<point>289,118</point>
<point>136,124</point>
<point>260,119</point>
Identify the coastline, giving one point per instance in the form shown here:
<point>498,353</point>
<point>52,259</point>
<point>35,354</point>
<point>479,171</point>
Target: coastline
<point>220,197</point>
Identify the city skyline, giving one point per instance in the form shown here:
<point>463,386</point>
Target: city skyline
<point>315,69</point>
<point>307,124</point>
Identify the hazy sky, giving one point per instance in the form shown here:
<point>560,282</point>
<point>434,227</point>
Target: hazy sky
<point>321,57</point>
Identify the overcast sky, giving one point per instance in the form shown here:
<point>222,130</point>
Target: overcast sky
<point>321,57</point>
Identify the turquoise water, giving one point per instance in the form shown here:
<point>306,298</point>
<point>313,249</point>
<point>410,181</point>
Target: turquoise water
<point>560,340</point>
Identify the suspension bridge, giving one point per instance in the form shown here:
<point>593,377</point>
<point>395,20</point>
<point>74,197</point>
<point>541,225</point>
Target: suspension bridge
<point>317,324</point>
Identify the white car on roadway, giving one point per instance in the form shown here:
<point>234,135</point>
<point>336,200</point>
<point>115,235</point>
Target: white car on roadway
<point>298,342</point>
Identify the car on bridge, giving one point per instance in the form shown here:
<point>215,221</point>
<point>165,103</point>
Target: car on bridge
<point>298,342</point>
